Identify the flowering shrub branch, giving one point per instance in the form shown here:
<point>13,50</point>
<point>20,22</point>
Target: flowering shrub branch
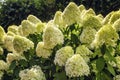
<point>76,45</point>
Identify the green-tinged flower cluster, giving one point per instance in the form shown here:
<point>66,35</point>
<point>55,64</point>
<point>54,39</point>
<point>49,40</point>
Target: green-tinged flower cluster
<point>1,50</point>
<point>35,73</point>
<point>84,52</point>
<point>118,62</point>
<point>13,29</point>
<point>76,66</point>
<point>33,19</point>
<point>21,44</point>
<point>2,33</point>
<point>41,51</point>
<point>116,25</point>
<point>71,14</point>
<point>107,34</point>
<point>52,36</point>
<point>87,35</point>
<point>63,54</point>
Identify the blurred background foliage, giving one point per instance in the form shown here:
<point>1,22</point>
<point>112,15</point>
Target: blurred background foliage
<point>14,11</point>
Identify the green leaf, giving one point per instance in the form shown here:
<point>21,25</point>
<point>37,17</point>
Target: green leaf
<point>110,69</point>
<point>23,63</point>
<point>100,63</point>
<point>60,76</point>
<point>12,65</point>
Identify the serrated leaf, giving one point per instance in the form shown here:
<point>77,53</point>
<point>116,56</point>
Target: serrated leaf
<point>100,63</point>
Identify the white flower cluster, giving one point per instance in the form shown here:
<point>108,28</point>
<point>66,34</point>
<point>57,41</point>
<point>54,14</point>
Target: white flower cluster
<point>63,54</point>
<point>52,36</point>
<point>35,73</point>
<point>41,51</point>
<point>21,44</point>
<point>76,66</point>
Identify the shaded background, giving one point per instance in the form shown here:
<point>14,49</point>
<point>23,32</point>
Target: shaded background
<point>14,11</point>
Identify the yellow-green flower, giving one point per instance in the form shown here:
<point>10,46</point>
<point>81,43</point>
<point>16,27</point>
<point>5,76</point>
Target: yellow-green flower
<point>91,21</point>
<point>114,17</point>
<point>13,29</point>
<point>106,19</point>
<point>40,27</point>
<point>1,74</point>
<point>33,19</point>
<point>71,14</point>
<point>1,50</point>
<point>28,27</point>
<point>81,8</point>
<point>87,35</point>
<point>116,25</point>
<point>52,36</point>
<point>21,44</point>
<point>3,65</point>
<point>58,20</point>
<point>2,34</point>
<point>117,77</point>
<point>62,55</point>
<point>8,42</point>
<point>41,51</point>
<point>76,66</point>
<point>35,73</point>
<point>107,34</point>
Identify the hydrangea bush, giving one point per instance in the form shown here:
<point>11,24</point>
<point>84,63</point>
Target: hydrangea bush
<point>77,44</point>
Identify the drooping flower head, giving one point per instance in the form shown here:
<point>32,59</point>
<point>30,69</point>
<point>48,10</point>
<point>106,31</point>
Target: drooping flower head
<point>21,44</point>
<point>52,36</point>
<point>35,73</point>
<point>63,54</point>
<point>71,14</point>
<point>41,51</point>
<point>76,66</point>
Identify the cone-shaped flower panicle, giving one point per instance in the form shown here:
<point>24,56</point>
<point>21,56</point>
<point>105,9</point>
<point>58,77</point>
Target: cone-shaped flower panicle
<point>63,54</point>
<point>52,36</point>
<point>107,34</point>
<point>76,66</point>
<point>28,27</point>
<point>58,19</point>
<point>81,8</point>
<point>35,73</point>
<point>33,19</point>
<point>21,44</point>
<point>41,51</point>
<point>71,14</point>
